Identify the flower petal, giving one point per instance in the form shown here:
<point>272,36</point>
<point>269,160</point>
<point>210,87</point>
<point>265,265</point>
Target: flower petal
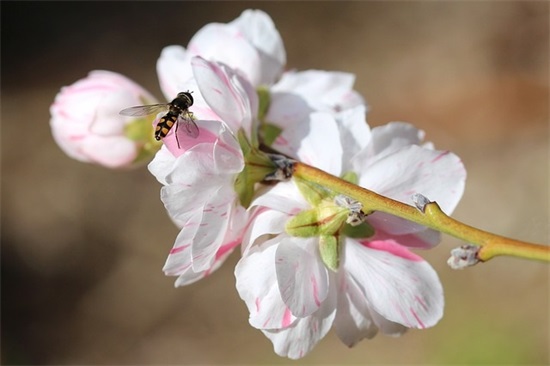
<point>212,229</point>
<point>387,327</point>
<point>315,142</point>
<point>322,147</point>
<point>353,321</point>
<point>179,259</point>
<point>398,284</point>
<point>284,197</point>
<point>423,239</point>
<point>258,28</point>
<point>227,154</point>
<point>354,134</point>
<point>302,277</point>
<point>109,151</point>
<point>180,263</point>
<point>303,334</point>
<point>438,175</point>
<point>395,135</point>
<point>173,70</point>
<point>386,140</point>
<point>230,96</point>
<point>327,91</point>
<point>265,223</point>
<point>183,142</point>
<point>393,225</point>
<point>257,286</point>
<point>233,236</point>
<point>191,184</point>
<point>223,43</point>
<point>86,122</point>
<point>161,165</point>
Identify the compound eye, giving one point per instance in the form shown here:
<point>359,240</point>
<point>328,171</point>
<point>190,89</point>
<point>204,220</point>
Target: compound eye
<point>190,97</point>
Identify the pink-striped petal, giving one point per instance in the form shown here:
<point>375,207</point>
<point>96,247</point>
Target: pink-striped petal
<point>394,225</point>
<point>387,327</point>
<point>265,223</point>
<point>230,96</point>
<point>192,182</point>
<point>212,229</point>
<point>179,259</point>
<point>353,321</point>
<point>438,175</point>
<point>257,286</point>
<point>398,284</point>
<point>86,122</point>
<point>298,340</point>
<point>189,276</point>
<point>302,277</point>
<point>425,239</point>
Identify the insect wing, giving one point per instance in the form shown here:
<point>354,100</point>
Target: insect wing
<point>190,127</point>
<point>144,110</point>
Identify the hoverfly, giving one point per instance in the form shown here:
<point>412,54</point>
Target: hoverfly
<point>178,112</point>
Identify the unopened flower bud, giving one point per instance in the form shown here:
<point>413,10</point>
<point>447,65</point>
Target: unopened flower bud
<point>86,123</point>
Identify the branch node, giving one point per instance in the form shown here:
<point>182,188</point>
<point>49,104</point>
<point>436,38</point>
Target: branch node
<point>464,256</point>
<point>356,216</point>
<point>420,201</point>
<point>285,168</point>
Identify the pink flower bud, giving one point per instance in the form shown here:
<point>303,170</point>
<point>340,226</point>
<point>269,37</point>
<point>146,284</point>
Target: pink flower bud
<point>86,123</point>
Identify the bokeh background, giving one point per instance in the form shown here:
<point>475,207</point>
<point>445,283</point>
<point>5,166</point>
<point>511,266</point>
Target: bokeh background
<point>83,247</point>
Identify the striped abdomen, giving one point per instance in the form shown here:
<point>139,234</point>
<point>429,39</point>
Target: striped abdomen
<point>165,124</point>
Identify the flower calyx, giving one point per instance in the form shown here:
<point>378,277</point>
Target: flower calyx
<point>356,216</point>
<point>285,168</point>
<point>331,219</point>
<point>324,221</point>
<point>259,167</point>
<point>141,132</point>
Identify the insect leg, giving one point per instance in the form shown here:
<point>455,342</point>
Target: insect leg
<point>176,133</point>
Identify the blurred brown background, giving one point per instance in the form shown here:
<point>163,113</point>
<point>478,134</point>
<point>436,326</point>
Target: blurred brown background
<point>83,247</point>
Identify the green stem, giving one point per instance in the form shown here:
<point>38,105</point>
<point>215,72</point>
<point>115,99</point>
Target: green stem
<point>491,245</point>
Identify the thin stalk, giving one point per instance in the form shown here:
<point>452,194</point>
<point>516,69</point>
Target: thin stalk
<point>491,244</point>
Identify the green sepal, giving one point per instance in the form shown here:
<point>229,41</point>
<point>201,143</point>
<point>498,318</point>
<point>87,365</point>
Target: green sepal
<point>258,165</point>
<point>331,217</point>
<point>146,153</point>
<point>244,187</point>
<point>141,131</point>
<point>351,177</point>
<point>324,219</point>
<point>269,133</point>
<point>264,100</point>
<point>365,230</point>
<point>313,193</point>
<point>305,224</point>
<point>329,248</point>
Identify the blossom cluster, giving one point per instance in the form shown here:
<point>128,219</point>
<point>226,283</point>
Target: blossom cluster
<point>310,259</point>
